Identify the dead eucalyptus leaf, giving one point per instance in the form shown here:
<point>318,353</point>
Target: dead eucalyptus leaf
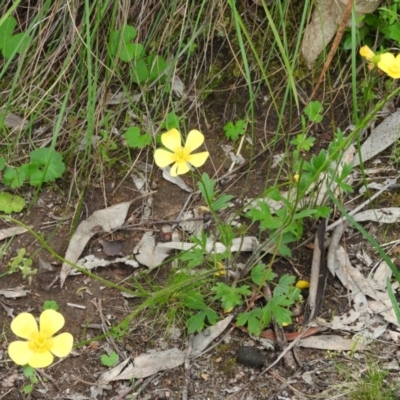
<point>105,220</point>
<point>381,137</point>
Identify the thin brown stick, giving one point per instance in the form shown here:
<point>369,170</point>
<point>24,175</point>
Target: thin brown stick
<point>185,390</point>
<point>335,45</point>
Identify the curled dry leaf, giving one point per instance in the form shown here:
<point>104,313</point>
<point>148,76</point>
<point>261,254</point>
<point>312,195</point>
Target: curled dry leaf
<point>106,220</point>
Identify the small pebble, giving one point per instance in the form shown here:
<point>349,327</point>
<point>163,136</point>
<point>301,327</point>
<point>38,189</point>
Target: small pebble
<point>250,357</point>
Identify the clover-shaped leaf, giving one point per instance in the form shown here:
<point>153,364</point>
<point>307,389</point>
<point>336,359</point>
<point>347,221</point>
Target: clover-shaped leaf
<point>6,30</point>
<point>16,44</point>
<point>46,165</point>
<point>135,139</point>
<point>10,203</point>
<point>120,44</point>
<point>139,71</point>
<point>157,66</point>
<point>11,44</point>
<point>15,177</point>
<point>109,360</point>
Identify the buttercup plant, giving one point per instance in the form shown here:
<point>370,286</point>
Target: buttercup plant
<point>386,62</point>
<point>180,155</point>
<point>41,345</point>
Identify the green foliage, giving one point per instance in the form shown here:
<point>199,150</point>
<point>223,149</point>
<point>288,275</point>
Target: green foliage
<point>197,322</point>
<point>51,305</point>
<point>234,130</point>
<point>261,274</point>
<point>135,139</point>
<point>46,165</point>
<point>386,21</point>
<point>171,121</point>
<point>109,360</point>
<point>195,256</point>
<point>230,296</point>
<point>314,111</point>
<point>144,68</point>
<point>302,142</point>
<point>283,297</point>
<point>207,189</point>
<point>10,203</point>
<point>121,44</point>
<point>12,44</point>
<point>22,264</point>
<point>29,373</point>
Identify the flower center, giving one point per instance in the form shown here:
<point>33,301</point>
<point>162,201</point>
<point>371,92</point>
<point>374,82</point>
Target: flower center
<point>40,343</point>
<point>181,155</point>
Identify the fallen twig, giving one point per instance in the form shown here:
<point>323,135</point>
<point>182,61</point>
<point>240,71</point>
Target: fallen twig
<point>185,390</point>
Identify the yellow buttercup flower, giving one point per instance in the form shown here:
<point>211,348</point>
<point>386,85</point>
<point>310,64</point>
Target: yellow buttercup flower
<point>367,53</point>
<point>390,64</point>
<point>40,346</point>
<point>180,155</point>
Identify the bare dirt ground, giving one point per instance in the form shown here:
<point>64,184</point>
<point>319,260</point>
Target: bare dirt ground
<point>215,374</point>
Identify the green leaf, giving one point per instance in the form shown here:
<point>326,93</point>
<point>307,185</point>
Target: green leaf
<point>139,71</point>
<point>6,30</point>
<point>285,282</point>
<point>314,111</point>
<point>109,360</point>
<point>230,296</point>
<point>206,187</point>
<point>157,66</point>
<point>46,166</point>
<point>233,131</point>
<point>27,389</point>
<point>194,257</point>
<point>322,212</point>
<point>171,121</point>
<point>135,139</point>
<point>263,214</point>
<point>196,322</point>
<point>253,319</point>
<point>2,163</point>
<point>260,275</point>
<point>302,142</point>
<point>15,177</point>
<point>28,371</point>
<point>120,41</point>
<point>16,44</point>
<point>10,203</point>
<point>50,305</point>
<point>274,309</point>
<point>195,301</point>
<point>221,202</point>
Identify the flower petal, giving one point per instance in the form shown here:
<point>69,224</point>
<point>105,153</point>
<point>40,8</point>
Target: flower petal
<point>19,352</point>
<point>163,158</point>
<point>197,160</point>
<point>390,64</point>
<point>179,168</point>
<point>50,322</point>
<point>172,140</point>
<point>41,360</point>
<point>23,325</point>
<point>62,344</point>
<point>367,53</point>
<point>194,140</point>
